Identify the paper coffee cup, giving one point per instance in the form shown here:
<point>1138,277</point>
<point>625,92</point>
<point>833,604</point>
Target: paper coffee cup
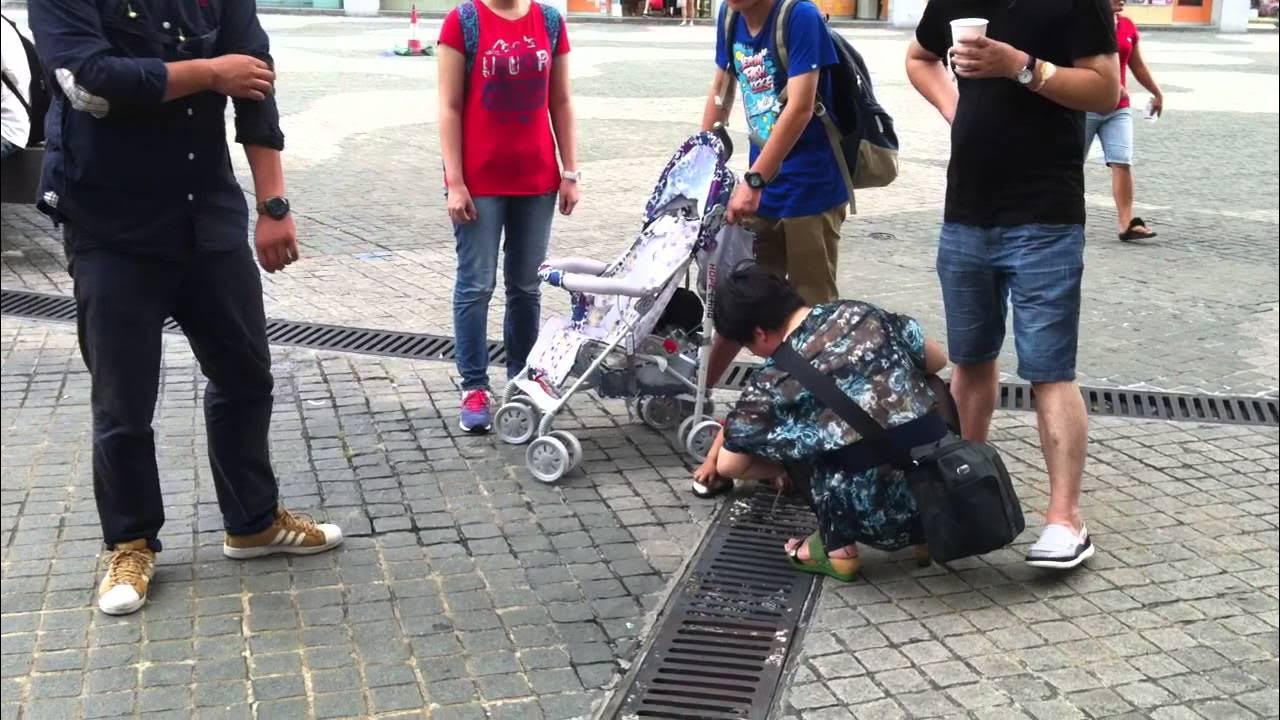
<point>967,29</point>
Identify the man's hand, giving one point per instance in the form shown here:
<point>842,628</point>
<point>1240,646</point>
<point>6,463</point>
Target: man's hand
<point>983,57</point>
<point>744,203</point>
<point>1157,104</point>
<point>241,76</point>
<point>568,196</point>
<point>276,241</point>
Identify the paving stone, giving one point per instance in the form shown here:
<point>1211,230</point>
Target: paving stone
<point>456,563</point>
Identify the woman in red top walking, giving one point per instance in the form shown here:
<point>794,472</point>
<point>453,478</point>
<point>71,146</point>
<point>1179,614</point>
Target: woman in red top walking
<point>1115,129</point>
<point>504,109</point>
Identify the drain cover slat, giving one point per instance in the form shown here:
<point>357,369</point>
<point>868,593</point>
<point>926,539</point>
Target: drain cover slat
<point>721,647</point>
<point>1223,409</point>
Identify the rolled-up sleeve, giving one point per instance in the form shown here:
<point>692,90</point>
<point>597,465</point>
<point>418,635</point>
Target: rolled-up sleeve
<point>257,121</point>
<point>71,43</point>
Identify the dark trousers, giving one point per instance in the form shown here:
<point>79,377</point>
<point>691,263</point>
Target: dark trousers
<point>122,302</point>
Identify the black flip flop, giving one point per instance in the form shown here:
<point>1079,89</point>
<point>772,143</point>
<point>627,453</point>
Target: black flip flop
<point>1129,235</point>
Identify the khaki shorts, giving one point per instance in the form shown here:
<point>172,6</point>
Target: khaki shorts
<point>803,249</point>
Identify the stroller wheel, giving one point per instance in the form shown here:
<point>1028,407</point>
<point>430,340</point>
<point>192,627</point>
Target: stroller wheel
<point>547,459</point>
<point>572,445</point>
<point>516,422</point>
<point>660,413</point>
<point>701,438</point>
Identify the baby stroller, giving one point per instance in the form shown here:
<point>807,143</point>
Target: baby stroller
<point>634,332</point>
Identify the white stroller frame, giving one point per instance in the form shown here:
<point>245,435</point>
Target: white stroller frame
<point>553,453</point>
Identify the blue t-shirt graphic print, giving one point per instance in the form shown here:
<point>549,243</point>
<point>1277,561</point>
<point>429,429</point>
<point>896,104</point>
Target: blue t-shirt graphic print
<point>756,70</point>
<point>809,182</point>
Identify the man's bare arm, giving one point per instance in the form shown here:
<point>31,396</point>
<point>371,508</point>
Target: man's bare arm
<point>1092,84</point>
<point>713,112</point>
<point>930,79</point>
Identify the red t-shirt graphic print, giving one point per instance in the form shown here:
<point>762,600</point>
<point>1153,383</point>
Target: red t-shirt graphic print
<point>507,144</point>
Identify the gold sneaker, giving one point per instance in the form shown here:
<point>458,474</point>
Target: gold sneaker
<point>130,567</point>
<point>290,533</point>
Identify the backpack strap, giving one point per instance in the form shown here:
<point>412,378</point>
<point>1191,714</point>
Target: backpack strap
<point>470,21</point>
<point>26,105</point>
<point>554,22</point>
<point>780,40</point>
<point>724,99</point>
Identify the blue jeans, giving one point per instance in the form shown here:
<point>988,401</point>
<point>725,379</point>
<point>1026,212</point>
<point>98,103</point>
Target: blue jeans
<point>1115,131</point>
<point>7,148</point>
<point>526,223</point>
<point>1036,267</point>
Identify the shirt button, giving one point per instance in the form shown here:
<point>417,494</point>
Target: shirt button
<point>190,197</point>
<point>191,156</point>
<point>190,112</point>
<point>165,24</point>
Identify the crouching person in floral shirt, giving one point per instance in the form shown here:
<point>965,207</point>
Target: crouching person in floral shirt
<point>881,360</point>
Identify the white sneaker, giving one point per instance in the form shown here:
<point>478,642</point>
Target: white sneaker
<point>1060,547</point>
<point>130,568</point>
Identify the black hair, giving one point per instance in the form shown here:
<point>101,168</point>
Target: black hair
<point>751,296</point>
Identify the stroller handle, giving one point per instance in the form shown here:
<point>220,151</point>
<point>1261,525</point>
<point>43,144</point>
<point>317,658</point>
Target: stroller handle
<point>723,133</point>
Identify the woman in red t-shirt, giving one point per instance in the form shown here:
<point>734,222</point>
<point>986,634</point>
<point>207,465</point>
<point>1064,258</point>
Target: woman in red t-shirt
<point>504,109</point>
<point>1115,129</point>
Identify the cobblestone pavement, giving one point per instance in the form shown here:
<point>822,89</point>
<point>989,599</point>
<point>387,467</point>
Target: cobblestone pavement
<point>467,590</point>
<point>1197,310</point>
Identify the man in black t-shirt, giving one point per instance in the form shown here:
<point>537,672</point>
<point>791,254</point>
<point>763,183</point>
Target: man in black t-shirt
<point>1014,223</point>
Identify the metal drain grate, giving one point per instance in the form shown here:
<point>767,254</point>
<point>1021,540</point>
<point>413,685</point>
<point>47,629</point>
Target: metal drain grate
<point>1221,409</point>
<point>387,343</point>
<point>722,644</point>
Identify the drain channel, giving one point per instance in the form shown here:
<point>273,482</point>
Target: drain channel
<point>1217,409</point>
<point>721,646</point>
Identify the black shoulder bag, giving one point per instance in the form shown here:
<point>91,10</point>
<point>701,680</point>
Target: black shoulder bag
<point>963,491</point>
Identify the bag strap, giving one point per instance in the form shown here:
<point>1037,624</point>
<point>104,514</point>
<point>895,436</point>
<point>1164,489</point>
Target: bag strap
<point>554,22</point>
<point>724,98</point>
<point>9,84</point>
<point>470,20</point>
<point>26,105</point>
<point>825,389</point>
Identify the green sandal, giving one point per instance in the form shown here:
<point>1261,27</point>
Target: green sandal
<point>818,562</point>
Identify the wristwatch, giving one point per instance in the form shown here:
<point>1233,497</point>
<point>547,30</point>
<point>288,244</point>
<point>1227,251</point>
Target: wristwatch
<point>755,180</point>
<point>1028,73</point>
<point>274,207</point>
<point>572,176</point>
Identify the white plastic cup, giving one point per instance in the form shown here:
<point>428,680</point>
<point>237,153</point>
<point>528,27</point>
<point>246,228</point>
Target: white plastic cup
<point>1150,114</point>
<point>967,29</point>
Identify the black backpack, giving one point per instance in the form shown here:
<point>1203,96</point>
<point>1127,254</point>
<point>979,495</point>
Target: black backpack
<point>860,130</point>
<point>36,99</point>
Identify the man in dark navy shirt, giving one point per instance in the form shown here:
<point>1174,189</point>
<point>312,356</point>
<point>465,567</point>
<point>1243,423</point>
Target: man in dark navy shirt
<point>138,172</point>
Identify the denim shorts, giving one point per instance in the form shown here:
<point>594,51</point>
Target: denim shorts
<point>1037,269</point>
<point>1115,131</point>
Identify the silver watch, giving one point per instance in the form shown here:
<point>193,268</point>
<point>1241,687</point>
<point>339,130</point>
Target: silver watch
<point>571,175</point>
<point>1028,73</point>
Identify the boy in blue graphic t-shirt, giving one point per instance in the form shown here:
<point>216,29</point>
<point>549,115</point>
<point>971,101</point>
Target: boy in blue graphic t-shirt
<point>793,197</point>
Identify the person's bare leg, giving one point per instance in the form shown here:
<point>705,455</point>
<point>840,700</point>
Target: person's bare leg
<point>1064,437</point>
<point>1122,191</point>
<point>974,388</point>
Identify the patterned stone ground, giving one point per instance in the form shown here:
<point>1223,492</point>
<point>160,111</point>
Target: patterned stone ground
<point>467,590</point>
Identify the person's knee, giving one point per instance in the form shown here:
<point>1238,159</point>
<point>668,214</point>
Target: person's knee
<point>250,379</point>
<point>467,290</point>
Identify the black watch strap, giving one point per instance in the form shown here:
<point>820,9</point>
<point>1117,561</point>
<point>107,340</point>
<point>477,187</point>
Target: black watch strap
<point>275,207</point>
